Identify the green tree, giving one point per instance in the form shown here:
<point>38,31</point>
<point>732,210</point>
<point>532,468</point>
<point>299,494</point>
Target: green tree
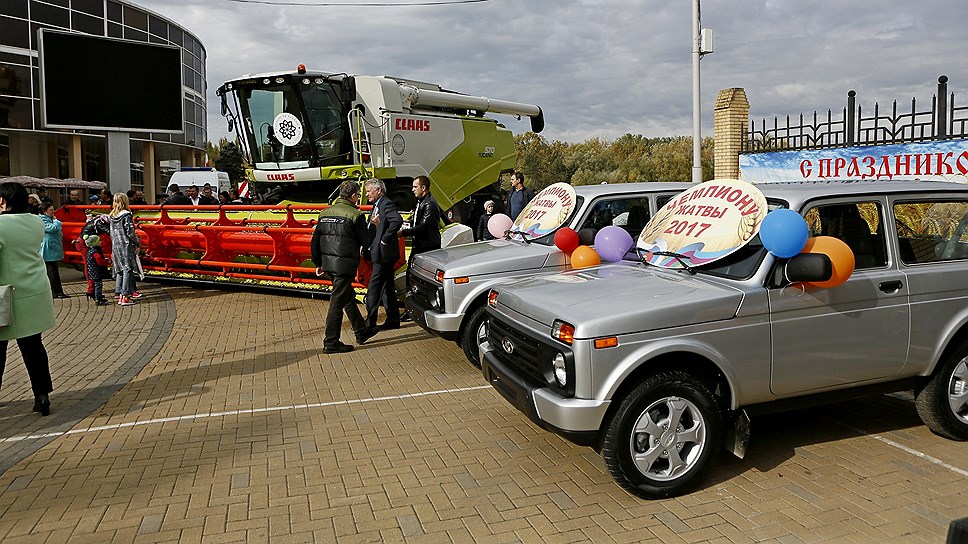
<point>213,150</point>
<point>230,161</point>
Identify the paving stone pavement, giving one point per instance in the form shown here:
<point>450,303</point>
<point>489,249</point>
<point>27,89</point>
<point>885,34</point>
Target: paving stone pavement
<point>212,415</point>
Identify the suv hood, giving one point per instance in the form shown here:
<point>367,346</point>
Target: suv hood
<point>489,257</point>
<point>617,299</point>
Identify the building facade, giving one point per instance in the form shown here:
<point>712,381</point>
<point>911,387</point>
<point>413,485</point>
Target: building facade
<point>28,148</point>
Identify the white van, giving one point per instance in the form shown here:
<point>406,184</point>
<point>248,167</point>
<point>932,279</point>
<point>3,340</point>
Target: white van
<point>186,177</point>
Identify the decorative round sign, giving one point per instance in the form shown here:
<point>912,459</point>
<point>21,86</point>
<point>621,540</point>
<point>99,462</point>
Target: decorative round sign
<point>287,129</point>
<point>547,211</point>
<point>703,224</point>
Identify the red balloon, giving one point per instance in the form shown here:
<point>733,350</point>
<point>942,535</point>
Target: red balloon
<point>566,239</point>
<point>841,258</point>
<point>584,256</point>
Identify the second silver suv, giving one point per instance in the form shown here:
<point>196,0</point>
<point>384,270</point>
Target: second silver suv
<point>448,287</point>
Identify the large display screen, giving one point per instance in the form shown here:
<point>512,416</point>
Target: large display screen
<point>91,82</point>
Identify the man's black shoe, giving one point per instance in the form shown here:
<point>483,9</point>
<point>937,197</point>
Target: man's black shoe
<point>389,326</point>
<point>362,337</point>
<point>337,348</point>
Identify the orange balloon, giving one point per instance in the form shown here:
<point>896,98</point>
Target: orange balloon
<point>584,256</point>
<point>841,258</point>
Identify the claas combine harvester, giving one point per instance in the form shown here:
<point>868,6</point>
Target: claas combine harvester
<point>302,133</point>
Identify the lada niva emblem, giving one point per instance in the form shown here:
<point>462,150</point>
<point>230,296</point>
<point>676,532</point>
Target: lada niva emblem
<point>508,346</point>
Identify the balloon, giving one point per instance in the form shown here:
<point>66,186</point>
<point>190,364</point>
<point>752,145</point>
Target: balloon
<point>841,258</point>
<point>612,243</point>
<point>584,256</point>
<point>499,224</point>
<point>566,239</point>
<point>784,233</point>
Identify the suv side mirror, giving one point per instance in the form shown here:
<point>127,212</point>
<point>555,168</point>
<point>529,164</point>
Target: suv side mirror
<point>808,267</point>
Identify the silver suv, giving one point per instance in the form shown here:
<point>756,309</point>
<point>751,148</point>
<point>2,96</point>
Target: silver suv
<point>448,287</point>
<point>658,369</point>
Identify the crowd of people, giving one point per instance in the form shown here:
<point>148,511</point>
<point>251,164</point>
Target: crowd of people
<point>32,238</point>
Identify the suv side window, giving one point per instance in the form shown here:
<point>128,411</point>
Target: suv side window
<point>858,225</point>
<point>629,213</point>
<point>931,231</point>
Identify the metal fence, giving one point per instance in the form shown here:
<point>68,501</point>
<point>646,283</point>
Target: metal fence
<point>855,127</point>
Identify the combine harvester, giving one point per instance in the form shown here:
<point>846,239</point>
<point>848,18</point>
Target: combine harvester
<point>302,133</point>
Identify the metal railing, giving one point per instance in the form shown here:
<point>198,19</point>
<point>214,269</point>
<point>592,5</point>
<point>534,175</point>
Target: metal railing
<point>942,120</point>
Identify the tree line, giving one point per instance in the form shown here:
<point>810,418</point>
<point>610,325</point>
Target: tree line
<point>629,158</point>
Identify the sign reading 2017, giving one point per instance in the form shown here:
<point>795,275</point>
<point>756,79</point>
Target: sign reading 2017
<point>703,224</point>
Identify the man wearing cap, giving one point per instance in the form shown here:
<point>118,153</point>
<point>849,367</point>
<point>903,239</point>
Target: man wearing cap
<point>336,245</point>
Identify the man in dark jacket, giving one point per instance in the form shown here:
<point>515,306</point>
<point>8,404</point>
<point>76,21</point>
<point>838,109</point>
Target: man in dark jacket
<point>337,240</point>
<point>176,197</point>
<point>518,197</point>
<point>384,250</point>
<point>425,222</point>
<point>425,228</point>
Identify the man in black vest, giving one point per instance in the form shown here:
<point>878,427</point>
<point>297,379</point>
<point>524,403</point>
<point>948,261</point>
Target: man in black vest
<point>337,240</point>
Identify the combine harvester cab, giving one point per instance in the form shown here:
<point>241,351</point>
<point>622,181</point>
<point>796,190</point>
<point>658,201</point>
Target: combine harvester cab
<point>301,134</point>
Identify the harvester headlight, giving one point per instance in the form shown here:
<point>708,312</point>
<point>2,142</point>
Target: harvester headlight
<point>561,372</point>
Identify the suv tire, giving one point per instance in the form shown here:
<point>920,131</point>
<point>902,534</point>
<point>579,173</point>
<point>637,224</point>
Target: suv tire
<point>472,334</point>
<point>942,401</point>
<point>666,434</point>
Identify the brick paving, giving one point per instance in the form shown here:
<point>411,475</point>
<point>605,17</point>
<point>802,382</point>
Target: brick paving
<point>204,415</point>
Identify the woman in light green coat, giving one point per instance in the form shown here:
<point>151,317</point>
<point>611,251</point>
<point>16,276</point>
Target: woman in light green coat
<point>33,308</point>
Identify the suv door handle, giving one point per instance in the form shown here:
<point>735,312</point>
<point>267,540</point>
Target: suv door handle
<point>890,286</point>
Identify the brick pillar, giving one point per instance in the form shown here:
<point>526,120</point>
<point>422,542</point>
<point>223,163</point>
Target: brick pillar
<point>731,119</point>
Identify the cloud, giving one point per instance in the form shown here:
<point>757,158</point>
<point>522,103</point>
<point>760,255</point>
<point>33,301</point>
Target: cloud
<point>601,68</point>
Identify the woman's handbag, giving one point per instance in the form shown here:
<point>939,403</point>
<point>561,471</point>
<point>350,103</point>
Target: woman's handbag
<point>6,305</point>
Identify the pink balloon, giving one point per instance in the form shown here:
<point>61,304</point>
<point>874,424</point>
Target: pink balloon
<point>499,224</point>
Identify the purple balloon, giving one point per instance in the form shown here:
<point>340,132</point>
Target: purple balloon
<point>499,224</point>
<point>612,243</point>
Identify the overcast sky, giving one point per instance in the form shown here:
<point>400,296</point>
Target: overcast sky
<point>601,68</point>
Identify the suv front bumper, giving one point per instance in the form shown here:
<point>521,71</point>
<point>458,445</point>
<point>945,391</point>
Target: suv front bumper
<point>446,326</point>
<point>576,420</point>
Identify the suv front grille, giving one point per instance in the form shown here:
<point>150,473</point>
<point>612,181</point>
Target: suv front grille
<point>422,291</point>
<point>526,357</point>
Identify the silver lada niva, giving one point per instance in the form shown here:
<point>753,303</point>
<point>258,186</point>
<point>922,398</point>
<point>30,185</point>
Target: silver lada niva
<point>658,368</point>
<point>448,287</point>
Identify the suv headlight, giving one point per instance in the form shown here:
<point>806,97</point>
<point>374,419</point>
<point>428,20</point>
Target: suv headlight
<point>439,300</point>
<point>560,371</point>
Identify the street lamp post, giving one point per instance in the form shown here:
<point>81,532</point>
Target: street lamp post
<point>701,44</point>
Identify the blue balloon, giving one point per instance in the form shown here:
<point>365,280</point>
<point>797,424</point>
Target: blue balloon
<point>612,243</point>
<point>784,233</point>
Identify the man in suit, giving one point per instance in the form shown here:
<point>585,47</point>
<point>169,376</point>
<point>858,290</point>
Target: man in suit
<point>383,251</point>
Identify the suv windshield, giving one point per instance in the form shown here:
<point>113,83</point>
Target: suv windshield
<point>549,239</point>
<point>742,263</point>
